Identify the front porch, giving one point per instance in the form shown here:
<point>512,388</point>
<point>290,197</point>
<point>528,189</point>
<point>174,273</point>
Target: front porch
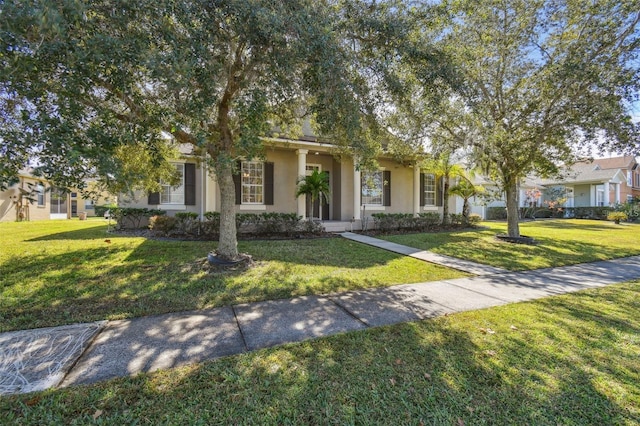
<point>341,225</point>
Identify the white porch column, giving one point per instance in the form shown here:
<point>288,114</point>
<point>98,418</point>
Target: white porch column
<point>356,192</point>
<point>302,171</point>
<point>416,190</point>
<point>606,194</point>
<point>617,193</point>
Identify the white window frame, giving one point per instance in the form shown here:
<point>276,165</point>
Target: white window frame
<point>173,195</point>
<point>600,196</point>
<point>310,167</point>
<point>41,200</point>
<point>629,178</point>
<point>252,183</point>
<point>430,193</point>
<point>89,204</point>
<point>371,199</point>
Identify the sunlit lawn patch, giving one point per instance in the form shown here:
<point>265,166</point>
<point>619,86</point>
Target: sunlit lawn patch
<point>59,272</point>
<point>560,242</point>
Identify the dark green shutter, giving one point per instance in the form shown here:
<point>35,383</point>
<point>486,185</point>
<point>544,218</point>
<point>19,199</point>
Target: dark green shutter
<point>237,182</point>
<point>386,188</point>
<point>190,184</point>
<point>268,184</point>
<point>154,199</point>
<point>423,199</point>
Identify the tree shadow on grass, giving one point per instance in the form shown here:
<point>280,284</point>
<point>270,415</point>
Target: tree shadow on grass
<point>443,371</point>
<point>98,230</point>
<point>548,252</point>
<point>113,278</point>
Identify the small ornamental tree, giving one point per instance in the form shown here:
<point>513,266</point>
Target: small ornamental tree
<point>316,187</point>
<point>541,76</point>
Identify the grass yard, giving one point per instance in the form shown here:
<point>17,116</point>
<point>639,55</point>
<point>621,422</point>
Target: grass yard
<point>560,242</point>
<point>60,272</point>
<point>570,360</point>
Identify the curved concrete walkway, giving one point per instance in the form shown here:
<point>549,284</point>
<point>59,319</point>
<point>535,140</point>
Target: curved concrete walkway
<point>33,360</point>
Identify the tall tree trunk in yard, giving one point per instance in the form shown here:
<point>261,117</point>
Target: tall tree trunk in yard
<point>511,191</point>
<point>228,244</point>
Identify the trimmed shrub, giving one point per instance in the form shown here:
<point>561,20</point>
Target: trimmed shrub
<point>210,227</point>
<point>132,218</point>
<point>188,223</point>
<point>599,213</point>
<point>164,225</point>
<point>428,220</point>
<point>101,210</point>
<point>474,219</point>
<point>457,219</point>
<point>392,221</point>
<point>496,213</point>
<point>405,221</point>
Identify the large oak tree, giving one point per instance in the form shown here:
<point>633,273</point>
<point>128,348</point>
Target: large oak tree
<point>83,83</point>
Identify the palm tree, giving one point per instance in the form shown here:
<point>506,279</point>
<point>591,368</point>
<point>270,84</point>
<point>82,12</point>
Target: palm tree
<point>465,189</point>
<point>443,167</point>
<point>316,186</point>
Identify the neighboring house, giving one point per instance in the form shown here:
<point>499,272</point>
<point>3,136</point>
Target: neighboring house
<point>600,182</point>
<point>270,186</point>
<point>493,197</point>
<point>35,199</point>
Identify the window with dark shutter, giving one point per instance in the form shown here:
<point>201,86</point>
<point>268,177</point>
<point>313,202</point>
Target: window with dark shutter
<point>190,184</point>
<point>386,180</point>
<point>268,184</point>
<point>237,183</point>
<point>154,199</point>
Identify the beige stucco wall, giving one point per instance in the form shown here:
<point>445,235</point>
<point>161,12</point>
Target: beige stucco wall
<point>139,199</point>
<point>286,174</point>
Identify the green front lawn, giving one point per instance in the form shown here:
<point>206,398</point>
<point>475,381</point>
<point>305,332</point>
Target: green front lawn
<point>567,360</point>
<point>60,272</point>
<point>560,242</point>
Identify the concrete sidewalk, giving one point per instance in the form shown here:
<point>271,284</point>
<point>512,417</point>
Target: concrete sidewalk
<point>85,353</point>
<point>427,256</point>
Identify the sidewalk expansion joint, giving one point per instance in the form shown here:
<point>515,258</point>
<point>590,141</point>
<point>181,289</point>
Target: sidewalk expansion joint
<point>348,312</point>
<point>450,282</point>
<point>244,340</point>
<point>89,343</point>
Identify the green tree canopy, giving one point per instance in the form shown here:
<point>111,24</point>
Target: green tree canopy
<point>540,78</point>
<point>83,82</point>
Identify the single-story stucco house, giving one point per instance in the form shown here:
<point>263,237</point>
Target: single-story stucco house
<point>269,185</point>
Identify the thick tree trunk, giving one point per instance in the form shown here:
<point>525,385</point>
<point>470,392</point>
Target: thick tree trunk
<point>513,226</point>
<point>228,244</point>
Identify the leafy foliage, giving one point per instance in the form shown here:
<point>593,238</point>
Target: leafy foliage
<point>133,217</point>
<point>539,76</point>
<point>316,186</point>
<point>97,88</point>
